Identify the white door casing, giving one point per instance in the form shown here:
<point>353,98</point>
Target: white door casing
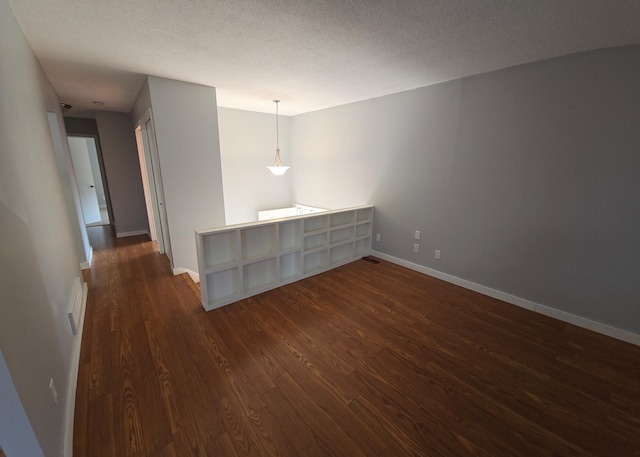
<point>154,176</point>
<point>152,215</point>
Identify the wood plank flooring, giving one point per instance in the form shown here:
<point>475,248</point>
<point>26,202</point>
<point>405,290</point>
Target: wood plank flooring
<point>370,359</point>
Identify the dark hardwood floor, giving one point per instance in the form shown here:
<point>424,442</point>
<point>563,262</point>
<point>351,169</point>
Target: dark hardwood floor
<point>370,359</point>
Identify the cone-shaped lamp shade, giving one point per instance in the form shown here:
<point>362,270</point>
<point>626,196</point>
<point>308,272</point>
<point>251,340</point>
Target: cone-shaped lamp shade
<point>278,171</point>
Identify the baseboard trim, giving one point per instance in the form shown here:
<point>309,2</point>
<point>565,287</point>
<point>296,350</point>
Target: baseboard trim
<point>86,265</point>
<point>179,270</point>
<point>564,316</point>
<point>133,233</point>
<point>70,407</point>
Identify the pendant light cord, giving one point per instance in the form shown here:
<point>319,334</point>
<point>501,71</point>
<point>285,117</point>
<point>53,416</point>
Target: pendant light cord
<point>278,169</point>
<point>278,161</point>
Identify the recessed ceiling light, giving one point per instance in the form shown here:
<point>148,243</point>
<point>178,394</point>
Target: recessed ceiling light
<point>97,103</point>
<point>65,106</point>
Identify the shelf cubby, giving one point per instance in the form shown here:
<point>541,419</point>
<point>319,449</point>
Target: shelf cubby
<point>340,235</point>
<point>290,267</point>
<point>363,229</point>
<point>315,223</point>
<point>219,249</point>
<point>258,242</point>
<point>315,262</point>
<point>315,241</point>
<point>363,247</point>
<point>364,214</point>
<point>259,275</point>
<point>289,235</point>
<point>341,254</point>
<point>222,286</point>
<point>342,219</point>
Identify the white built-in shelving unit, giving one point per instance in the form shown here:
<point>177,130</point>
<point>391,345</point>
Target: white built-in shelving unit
<point>238,261</point>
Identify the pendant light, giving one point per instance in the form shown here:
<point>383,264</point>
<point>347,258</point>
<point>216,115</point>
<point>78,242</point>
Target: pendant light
<point>278,169</point>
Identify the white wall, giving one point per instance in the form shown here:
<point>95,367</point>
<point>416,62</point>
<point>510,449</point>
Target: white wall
<point>526,178</point>
<point>120,157</point>
<point>247,147</point>
<point>186,123</point>
<point>37,249</point>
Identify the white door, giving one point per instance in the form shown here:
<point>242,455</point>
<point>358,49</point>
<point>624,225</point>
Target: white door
<point>84,178</point>
<point>154,178</point>
<point>149,197</point>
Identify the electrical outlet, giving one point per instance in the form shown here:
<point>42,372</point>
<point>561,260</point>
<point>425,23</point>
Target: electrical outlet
<point>416,247</point>
<point>417,235</point>
<point>437,254</point>
<point>378,237</point>
<point>54,392</point>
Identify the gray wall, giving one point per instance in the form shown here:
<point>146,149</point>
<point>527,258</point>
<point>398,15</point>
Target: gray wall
<point>16,433</point>
<point>81,125</point>
<point>186,124</point>
<point>142,103</point>
<point>120,156</point>
<point>37,249</point>
<point>527,179</point>
<point>70,186</point>
<point>247,147</point>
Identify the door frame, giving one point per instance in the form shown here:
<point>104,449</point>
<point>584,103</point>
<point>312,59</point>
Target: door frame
<point>103,174</point>
<point>151,164</point>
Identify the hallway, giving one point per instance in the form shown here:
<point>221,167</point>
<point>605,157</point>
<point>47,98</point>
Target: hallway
<point>135,307</point>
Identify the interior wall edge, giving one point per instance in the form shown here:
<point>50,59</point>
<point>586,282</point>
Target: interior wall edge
<point>194,276</point>
<point>87,265</point>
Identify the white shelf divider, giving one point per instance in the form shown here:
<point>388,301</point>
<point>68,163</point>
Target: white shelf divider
<point>238,261</point>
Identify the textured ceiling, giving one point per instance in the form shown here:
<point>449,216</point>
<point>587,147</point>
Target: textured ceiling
<point>311,54</point>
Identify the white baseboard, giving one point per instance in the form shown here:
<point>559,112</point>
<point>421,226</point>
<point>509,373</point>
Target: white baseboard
<point>564,316</point>
<point>179,270</point>
<point>86,265</point>
<point>133,233</point>
<point>70,406</point>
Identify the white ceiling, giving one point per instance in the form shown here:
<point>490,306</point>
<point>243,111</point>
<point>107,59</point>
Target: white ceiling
<point>311,54</point>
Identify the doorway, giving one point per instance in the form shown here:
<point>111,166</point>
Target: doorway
<point>92,186</point>
<point>152,184</point>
